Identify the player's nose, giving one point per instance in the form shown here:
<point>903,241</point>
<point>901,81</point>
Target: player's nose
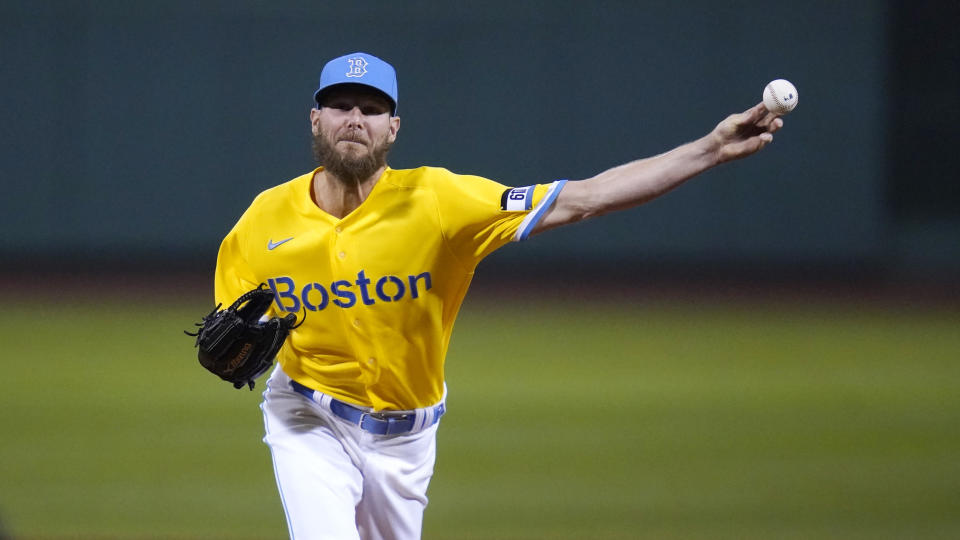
<point>354,115</point>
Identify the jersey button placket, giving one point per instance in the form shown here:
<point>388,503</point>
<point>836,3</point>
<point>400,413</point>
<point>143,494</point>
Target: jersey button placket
<point>341,254</point>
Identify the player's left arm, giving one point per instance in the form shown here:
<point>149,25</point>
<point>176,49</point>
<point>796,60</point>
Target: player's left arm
<point>632,184</point>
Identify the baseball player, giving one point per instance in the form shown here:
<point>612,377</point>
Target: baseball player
<point>379,261</point>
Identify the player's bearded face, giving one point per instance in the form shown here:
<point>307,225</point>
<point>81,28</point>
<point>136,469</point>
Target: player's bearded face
<point>351,161</point>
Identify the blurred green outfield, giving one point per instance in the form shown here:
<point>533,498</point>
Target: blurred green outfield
<point>567,420</point>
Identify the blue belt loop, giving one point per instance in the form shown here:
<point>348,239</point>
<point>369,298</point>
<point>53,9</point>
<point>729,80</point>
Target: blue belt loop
<point>368,421</point>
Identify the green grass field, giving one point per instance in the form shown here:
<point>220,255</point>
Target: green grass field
<point>566,420</point>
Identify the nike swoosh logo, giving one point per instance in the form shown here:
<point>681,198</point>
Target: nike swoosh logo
<point>271,245</point>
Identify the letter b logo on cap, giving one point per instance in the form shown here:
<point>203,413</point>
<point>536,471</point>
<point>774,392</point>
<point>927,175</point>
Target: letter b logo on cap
<point>358,67</point>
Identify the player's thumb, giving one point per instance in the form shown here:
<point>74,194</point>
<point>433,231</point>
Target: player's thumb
<point>745,148</point>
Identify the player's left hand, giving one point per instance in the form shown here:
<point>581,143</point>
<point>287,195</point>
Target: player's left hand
<point>740,135</point>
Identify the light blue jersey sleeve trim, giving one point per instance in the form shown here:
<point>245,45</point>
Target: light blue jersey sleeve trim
<point>534,217</point>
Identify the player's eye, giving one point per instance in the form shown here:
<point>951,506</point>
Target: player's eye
<point>372,110</point>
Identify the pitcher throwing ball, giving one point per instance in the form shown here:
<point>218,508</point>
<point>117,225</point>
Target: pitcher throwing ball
<point>376,262</point>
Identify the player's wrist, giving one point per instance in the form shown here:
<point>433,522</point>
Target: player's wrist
<point>706,149</point>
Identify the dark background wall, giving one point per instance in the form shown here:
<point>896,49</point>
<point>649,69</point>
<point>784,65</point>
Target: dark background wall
<point>135,133</point>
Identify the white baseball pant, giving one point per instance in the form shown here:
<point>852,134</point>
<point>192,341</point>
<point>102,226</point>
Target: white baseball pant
<point>339,482</point>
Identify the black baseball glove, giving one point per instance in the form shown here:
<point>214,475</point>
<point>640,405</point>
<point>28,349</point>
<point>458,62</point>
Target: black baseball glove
<point>235,345</point>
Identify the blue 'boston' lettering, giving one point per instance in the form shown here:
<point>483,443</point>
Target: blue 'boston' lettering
<point>425,277</point>
<point>362,282</point>
<point>279,295</point>
<point>324,297</point>
<point>381,283</point>
<point>345,299</point>
<point>315,297</point>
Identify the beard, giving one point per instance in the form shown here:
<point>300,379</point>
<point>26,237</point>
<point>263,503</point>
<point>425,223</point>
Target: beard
<point>346,166</point>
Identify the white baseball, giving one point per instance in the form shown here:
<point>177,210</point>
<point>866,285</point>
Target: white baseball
<point>780,96</point>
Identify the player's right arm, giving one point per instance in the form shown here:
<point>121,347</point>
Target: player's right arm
<point>634,183</point>
<point>233,276</point>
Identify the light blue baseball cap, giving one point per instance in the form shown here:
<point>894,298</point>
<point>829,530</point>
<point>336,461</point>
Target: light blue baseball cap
<point>360,68</point>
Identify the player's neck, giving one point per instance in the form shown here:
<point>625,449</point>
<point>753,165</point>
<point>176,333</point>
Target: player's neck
<point>339,197</point>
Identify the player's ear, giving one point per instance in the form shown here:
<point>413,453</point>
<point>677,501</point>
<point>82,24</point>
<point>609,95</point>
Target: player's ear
<point>394,127</point>
<point>315,120</point>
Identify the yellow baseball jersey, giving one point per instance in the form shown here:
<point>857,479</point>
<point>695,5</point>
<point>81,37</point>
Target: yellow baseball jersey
<point>381,287</point>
